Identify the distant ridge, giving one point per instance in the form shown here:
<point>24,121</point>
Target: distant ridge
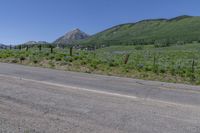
<point>182,28</point>
<point>35,42</point>
<point>180,18</point>
<point>151,20</point>
<point>3,46</point>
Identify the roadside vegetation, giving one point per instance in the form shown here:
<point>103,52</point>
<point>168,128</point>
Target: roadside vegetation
<point>178,63</point>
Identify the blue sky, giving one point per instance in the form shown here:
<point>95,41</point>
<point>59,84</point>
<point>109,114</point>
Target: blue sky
<point>25,20</point>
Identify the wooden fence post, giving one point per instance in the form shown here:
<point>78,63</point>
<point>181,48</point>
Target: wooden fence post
<point>51,49</point>
<point>40,47</point>
<point>71,51</point>
<point>193,71</point>
<point>126,58</point>
<point>27,47</point>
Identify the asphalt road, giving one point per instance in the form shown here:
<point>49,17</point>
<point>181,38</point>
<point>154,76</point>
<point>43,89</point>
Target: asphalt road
<point>50,101</point>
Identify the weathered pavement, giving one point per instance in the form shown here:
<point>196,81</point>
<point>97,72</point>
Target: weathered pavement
<point>43,100</point>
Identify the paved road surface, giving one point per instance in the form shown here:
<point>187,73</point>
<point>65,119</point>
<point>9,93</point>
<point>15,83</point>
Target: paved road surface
<point>49,101</point>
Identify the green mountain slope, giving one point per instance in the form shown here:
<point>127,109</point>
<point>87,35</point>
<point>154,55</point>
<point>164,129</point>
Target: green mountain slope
<point>182,28</point>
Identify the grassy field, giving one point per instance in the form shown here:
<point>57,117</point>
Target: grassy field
<point>180,64</point>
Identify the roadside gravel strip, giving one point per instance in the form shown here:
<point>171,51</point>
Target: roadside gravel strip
<point>40,107</point>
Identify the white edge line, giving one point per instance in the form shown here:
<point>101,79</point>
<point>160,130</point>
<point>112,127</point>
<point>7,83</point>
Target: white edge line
<point>82,89</point>
<point>98,92</point>
<point>71,87</point>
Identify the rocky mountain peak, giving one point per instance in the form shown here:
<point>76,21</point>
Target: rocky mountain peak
<point>71,37</point>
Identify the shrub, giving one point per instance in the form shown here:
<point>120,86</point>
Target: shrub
<point>148,68</point>
<point>14,61</point>
<point>35,61</point>
<point>112,63</point>
<point>58,58</point>
<point>68,59</point>
<point>173,71</point>
<point>22,58</point>
<point>83,62</point>
<point>140,66</point>
<point>180,43</point>
<point>52,65</point>
<point>162,70</point>
<point>161,43</point>
<point>95,63</point>
<point>138,47</point>
<point>51,57</point>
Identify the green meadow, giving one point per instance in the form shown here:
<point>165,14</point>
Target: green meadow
<point>177,63</point>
